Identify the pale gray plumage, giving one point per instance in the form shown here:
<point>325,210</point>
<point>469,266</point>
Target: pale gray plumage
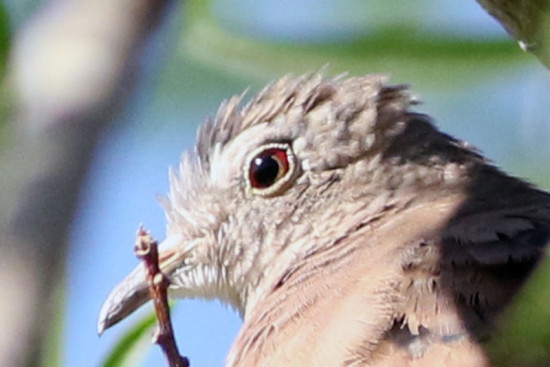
<point>387,243</point>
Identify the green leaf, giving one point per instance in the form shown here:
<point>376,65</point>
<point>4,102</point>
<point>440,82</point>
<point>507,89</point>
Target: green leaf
<point>523,338</point>
<point>131,348</point>
<point>53,343</point>
<point>5,33</point>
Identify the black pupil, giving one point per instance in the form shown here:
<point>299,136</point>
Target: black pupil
<point>264,171</point>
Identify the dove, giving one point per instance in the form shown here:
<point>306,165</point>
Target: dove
<point>345,228</point>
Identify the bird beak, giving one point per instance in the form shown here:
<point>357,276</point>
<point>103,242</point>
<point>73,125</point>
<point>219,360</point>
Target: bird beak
<point>133,291</point>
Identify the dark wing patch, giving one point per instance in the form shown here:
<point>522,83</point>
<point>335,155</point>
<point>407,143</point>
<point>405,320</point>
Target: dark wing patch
<point>493,239</point>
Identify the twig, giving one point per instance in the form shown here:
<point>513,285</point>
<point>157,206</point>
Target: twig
<point>146,250</point>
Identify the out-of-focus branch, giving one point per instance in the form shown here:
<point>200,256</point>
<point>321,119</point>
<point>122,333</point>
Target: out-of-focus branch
<point>71,68</point>
<point>526,20</point>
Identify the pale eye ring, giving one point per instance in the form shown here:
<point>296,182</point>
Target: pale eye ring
<point>269,169</point>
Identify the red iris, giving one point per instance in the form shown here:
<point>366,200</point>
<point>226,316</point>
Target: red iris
<point>268,167</point>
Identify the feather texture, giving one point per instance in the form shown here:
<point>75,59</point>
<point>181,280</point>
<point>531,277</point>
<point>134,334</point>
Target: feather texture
<point>388,242</point>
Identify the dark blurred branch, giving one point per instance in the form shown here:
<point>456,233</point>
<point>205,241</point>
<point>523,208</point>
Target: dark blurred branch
<point>528,21</point>
<point>71,69</point>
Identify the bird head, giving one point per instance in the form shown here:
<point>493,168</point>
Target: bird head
<point>291,173</point>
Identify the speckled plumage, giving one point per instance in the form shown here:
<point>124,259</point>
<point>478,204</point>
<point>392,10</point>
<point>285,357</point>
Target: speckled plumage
<point>388,243</point>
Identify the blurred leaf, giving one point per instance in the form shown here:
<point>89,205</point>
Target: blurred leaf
<point>54,341</point>
<point>5,33</point>
<point>527,21</point>
<point>448,62</point>
<point>523,338</point>
<point>131,348</point>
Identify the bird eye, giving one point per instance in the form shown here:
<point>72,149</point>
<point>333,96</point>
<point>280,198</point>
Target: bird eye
<point>269,168</point>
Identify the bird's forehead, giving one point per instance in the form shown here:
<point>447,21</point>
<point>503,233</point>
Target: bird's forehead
<point>344,117</point>
<point>287,95</point>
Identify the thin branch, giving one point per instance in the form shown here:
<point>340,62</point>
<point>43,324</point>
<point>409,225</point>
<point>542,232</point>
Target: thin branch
<point>146,249</point>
